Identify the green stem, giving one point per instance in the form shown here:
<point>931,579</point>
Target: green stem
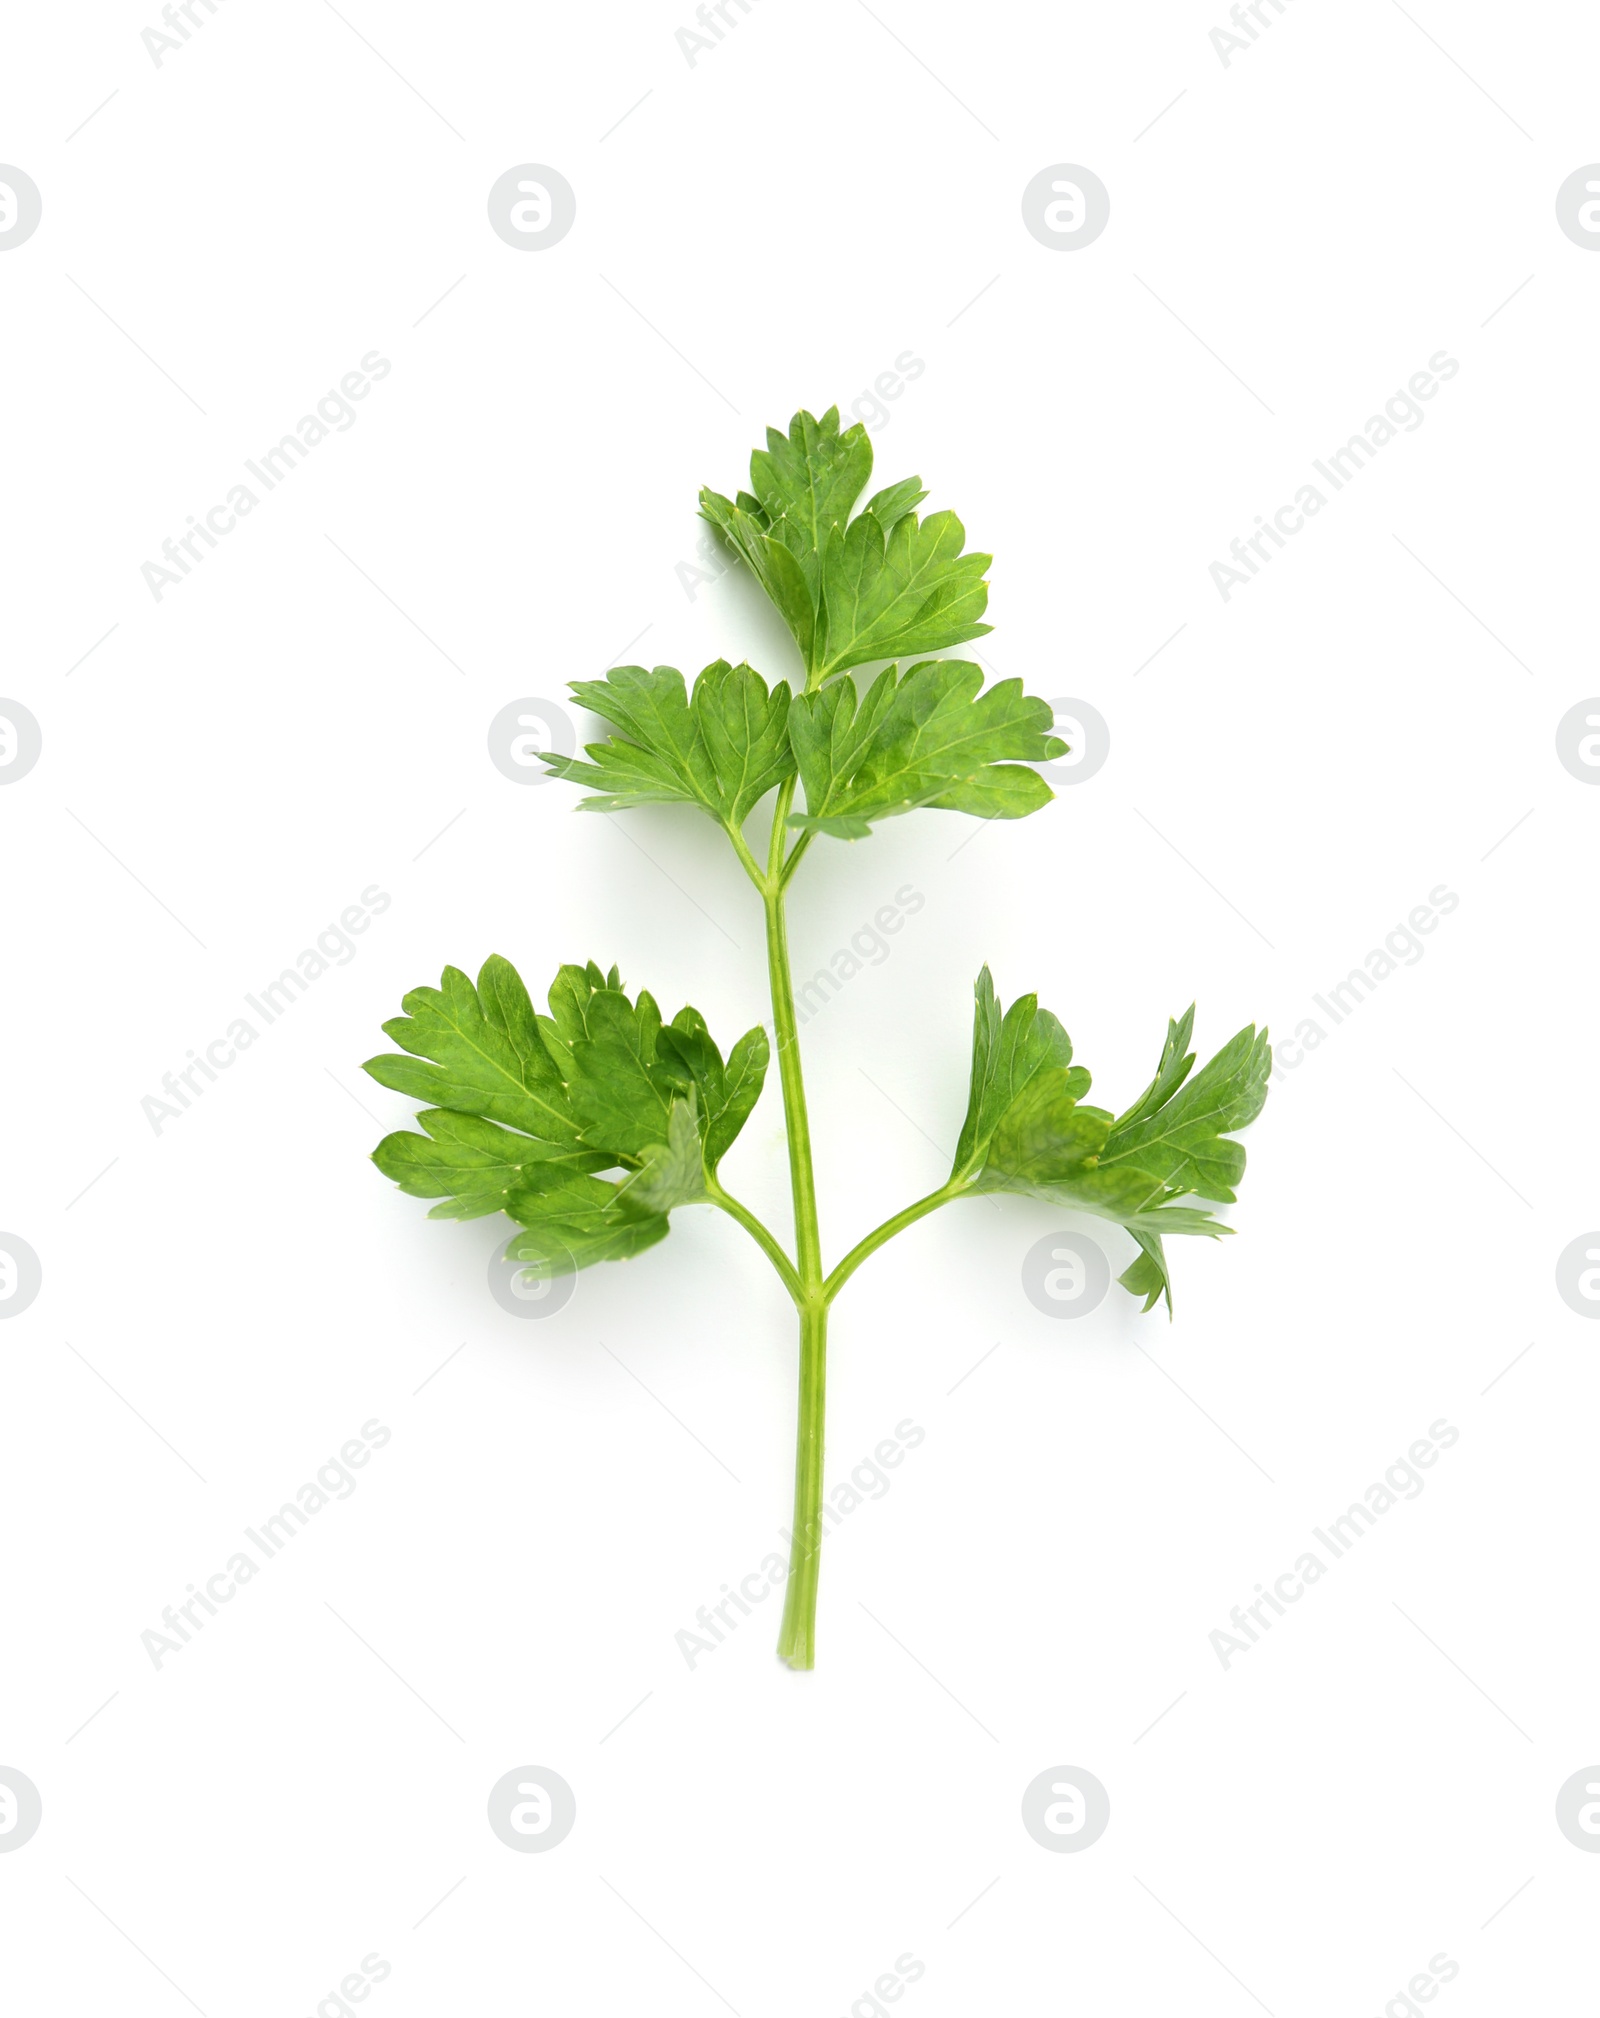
<point>795,854</point>
<point>808,1246</point>
<point>747,861</point>
<point>908,1216</point>
<point>764,1239</point>
<point>797,1638</point>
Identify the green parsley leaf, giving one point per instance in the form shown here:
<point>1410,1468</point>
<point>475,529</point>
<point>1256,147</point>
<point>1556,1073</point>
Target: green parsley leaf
<point>929,738</point>
<point>1176,1059</point>
<point>471,1164</point>
<point>670,1173</point>
<point>526,1108</point>
<point>1008,1054</point>
<point>720,749</point>
<point>803,484</point>
<point>806,481</point>
<point>1027,1130</point>
<point>878,586</point>
<point>620,1097</point>
<point>573,1223</point>
<point>890,506</point>
<point>724,1094</point>
<point>745,729</point>
<point>571,992</point>
<point>1177,1130</point>
<point>775,565</point>
<point>888,593</point>
<point>488,1057</point>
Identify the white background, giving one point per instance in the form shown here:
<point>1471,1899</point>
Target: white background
<point>1291,771</point>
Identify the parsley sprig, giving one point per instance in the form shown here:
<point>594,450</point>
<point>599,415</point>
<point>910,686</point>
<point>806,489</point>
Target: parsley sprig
<point>590,1122</point>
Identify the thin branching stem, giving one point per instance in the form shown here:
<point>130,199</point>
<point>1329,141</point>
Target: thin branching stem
<point>881,1235</point>
<point>760,1234</point>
